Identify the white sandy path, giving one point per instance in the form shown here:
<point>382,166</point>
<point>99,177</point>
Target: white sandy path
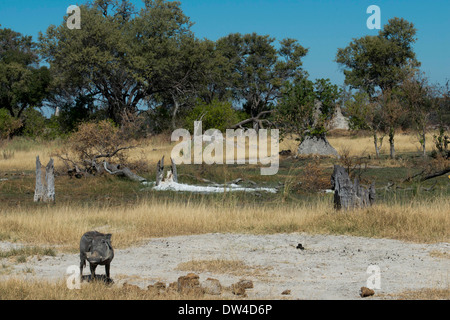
<point>331,267</point>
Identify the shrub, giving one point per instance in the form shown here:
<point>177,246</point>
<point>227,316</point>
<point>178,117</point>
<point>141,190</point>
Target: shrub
<point>92,143</point>
<point>8,124</point>
<point>313,178</point>
<point>217,115</point>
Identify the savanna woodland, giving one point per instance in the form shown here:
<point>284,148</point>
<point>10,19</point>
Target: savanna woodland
<point>114,91</point>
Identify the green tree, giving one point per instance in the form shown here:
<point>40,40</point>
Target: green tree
<point>381,63</point>
<point>23,84</point>
<point>257,71</point>
<point>121,58</point>
<point>8,124</point>
<point>366,115</point>
<point>418,99</point>
<point>305,107</point>
<point>215,115</point>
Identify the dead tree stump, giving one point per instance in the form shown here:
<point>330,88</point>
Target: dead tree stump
<point>45,192</point>
<point>172,175</point>
<point>159,171</point>
<point>348,195</point>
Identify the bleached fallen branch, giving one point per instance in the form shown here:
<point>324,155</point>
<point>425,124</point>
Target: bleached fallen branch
<point>125,172</point>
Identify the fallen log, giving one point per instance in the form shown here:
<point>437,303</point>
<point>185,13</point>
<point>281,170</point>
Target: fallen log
<point>436,174</point>
<point>124,172</point>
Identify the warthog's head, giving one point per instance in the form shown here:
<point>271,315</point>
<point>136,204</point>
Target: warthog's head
<point>101,249</point>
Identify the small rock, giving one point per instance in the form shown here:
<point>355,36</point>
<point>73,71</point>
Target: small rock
<point>238,290</point>
<point>246,284</point>
<point>212,286</point>
<point>286,292</point>
<point>128,286</point>
<point>189,284</point>
<point>300,246</point>
<point>157,288</point>
<point>366,292</point>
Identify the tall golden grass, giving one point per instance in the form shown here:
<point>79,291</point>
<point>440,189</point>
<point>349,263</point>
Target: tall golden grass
<point>63,225</point>
<point>365,145</point>
<point>151,150</point>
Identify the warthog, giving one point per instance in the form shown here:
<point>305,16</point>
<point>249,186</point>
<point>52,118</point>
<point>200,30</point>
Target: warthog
<point>96,248</point>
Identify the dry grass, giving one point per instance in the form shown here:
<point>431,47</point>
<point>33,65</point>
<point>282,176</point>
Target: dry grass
<point>365,146</point>
<point>63,225</point>
<point>422,294</point>
<point>22,152</point>
<point>221,266</point>
<point>439,254</point>
<point>22,289</point>
<point>60,226</point>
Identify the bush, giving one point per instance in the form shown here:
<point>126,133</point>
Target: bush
<point>36,125</point>
<point>217,115</point>
<point>313,178</point>
<point>8,124</point>
<point>33,123</point>
<point>442,143</point>
<point>94,139</point>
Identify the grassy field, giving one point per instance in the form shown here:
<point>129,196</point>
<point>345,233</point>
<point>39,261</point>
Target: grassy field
<point>412,211</point>
<point>408,212</point>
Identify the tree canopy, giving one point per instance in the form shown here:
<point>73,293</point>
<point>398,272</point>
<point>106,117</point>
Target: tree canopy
<point>23,83</point>
<point>382,61</point>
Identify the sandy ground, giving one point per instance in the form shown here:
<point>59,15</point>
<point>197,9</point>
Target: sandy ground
<point>329,267</point>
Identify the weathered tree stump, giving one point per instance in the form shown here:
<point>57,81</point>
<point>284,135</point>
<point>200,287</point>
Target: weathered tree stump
<point>348,195</point>
<point>172,175</point>
<point>45,192</point>
<point>160,171</point>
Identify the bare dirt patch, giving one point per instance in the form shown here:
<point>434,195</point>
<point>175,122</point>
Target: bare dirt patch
<point>322,267</point>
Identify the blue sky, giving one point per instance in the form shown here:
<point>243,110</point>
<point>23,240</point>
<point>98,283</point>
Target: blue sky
<point>322,26</point>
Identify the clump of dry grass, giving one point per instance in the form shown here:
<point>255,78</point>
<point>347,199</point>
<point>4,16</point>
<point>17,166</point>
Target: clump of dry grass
<point>423,222</point>
<point>422,294</point>
<point>22,289</point>
<point>234,267</point>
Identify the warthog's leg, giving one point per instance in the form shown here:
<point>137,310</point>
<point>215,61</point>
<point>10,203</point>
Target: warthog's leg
<point>92,267</point>
<point>82,265</point>
<point>107,270</point>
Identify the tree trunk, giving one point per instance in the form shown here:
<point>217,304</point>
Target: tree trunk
<point>423,142</point>
<point>49,195</point>
<point>348,195</point>
<point>160,171</point>
<point>377,146</point>
<point>174,171</point>
<point>39,189</point>
<point>176,107</point>
<point>45,192</point>
<point>391,143</point>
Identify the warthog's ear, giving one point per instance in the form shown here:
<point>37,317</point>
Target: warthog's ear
<point>108,236</point>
